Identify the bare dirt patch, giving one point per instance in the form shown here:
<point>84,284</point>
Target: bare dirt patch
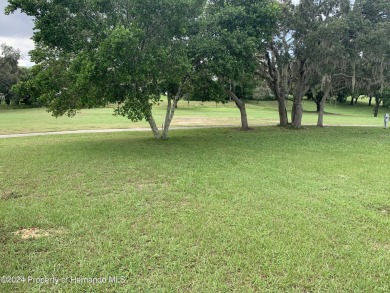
<point>7,195</point>
<point>34,233</point>
<point>384,210</point>
<point>381,246</point>
<point>204,121</point>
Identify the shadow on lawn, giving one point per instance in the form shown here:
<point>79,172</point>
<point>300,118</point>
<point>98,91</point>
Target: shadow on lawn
<point>325,113</point>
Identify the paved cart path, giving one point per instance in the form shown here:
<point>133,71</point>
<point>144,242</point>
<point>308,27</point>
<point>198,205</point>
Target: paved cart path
<point>146,129</point>
<point>109,130</point>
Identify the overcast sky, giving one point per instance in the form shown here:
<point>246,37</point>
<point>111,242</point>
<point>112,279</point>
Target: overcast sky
<point>16,30</point>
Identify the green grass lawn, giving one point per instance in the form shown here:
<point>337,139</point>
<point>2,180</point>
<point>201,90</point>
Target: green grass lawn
<point>196,114</point>
<point>211,210</point>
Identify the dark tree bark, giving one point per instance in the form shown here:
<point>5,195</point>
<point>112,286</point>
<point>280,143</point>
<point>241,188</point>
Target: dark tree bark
<point>315,98</point>
<point>318,105</point>
<point>299,90</point>
<point>283,119</point>
<point>277,80</point>
<point>7,100</point>
<point>370,100</point>
<point>352,100</point>
<point>297,113</point>
<point>377,104</point>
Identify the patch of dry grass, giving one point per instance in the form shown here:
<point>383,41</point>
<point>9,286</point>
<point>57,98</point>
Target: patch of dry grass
<point>35,232</point>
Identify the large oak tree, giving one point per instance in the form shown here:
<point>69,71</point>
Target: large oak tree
<point>93,52</point>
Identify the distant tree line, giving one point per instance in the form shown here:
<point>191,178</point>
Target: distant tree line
<point>93,52</point>
<point>10,75</point>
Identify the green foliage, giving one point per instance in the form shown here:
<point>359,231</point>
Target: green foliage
<point>233,33</point>
<point>246,88</point>
<point>134,51</point>
<point>10,73</point>
<point>205,88</point>
<point>385,97</point>
<point>342,96</point>
<point>126,55</point>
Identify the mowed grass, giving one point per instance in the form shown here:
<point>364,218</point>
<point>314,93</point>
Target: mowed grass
<point>194,114</point>
<point>211,210</point>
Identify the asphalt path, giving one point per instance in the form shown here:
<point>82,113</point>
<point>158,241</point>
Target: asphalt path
<point>143,129</point>
<point>104,131</point>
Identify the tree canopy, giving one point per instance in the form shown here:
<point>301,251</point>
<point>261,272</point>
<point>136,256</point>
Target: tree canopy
<point>9,71</point>
<point>93,52</point>
<point>324,48</point>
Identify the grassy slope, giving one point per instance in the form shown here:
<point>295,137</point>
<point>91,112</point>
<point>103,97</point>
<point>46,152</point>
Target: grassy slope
<point>208,210</point>
<point>37,120</point>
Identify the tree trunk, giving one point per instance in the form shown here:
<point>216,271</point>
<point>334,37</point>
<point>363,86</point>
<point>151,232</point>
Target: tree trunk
<point>171,107</point>
<point>241,106</point>
<point>370,100</point>
<point>352,100</point>
<point>301,87</point>
<point>353,82</point>
<point>320,121</point>
<point>167,122</point>
<point>7,100</point>
<point>297,109</point>
<point>376,109</point>
<point>297,113</point>
<point>153,126</point>
<point>282,91</point>
<point>277,80</point>
<point>293,113</point>
<point>326,86</point>
<point>283,119</point>
<point>318,104</point>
